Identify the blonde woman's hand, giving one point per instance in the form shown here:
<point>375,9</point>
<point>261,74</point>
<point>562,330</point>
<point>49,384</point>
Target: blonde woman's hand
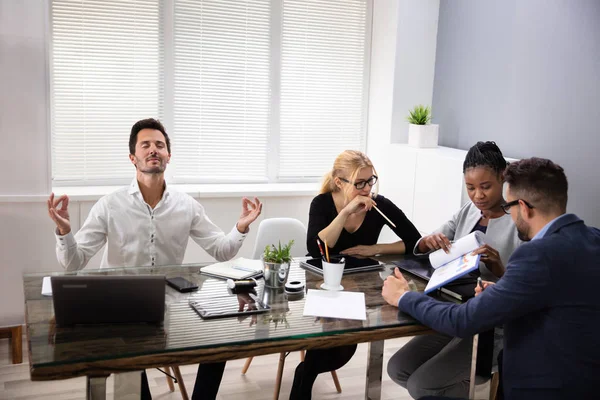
<point>359,203</point>
<point>365,251</point>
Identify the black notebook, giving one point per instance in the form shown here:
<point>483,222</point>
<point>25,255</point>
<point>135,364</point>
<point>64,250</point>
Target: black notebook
<point>352,264</point>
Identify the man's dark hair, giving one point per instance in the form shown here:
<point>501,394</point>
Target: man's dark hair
<point>485,154</point>
<point>540,182</point>
<point>148,123</point>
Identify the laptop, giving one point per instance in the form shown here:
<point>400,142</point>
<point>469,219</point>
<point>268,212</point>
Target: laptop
<point>461,289</point>
<point>108,299</point>
<point>353,264</point>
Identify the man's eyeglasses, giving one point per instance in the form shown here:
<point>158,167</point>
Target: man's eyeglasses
<point>361,185</point>
<point>506,206</point>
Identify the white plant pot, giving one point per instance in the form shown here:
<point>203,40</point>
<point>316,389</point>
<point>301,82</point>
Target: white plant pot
<point>423,135</point>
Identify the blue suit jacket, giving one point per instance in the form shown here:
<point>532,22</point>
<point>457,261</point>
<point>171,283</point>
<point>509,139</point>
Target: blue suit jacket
<point>549,303</point>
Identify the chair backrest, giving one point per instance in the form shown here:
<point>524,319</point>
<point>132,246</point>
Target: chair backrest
<point>275,230</point>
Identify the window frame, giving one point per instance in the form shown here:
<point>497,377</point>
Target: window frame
<point>167,17</point>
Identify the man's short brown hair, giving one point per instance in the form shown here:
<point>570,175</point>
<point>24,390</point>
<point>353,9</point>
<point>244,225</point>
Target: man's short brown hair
<point>540,182</point>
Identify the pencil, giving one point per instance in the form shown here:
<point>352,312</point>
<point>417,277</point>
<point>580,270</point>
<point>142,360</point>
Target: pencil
<point>326,250</point>
<point>383,215</point>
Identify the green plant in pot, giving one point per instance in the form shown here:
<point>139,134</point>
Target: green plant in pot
<point>421,133</point>
<point>277,261</point>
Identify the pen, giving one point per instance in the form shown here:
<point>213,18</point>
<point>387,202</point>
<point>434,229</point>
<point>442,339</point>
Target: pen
<point>321,250</point>
<point>383,215</point>
<point>480,283</point>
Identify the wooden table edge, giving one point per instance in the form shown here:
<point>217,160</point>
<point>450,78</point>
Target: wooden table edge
<point>219,353</point>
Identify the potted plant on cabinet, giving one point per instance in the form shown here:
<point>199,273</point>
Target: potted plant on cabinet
<point>277,264</point>
<point>420,132</point>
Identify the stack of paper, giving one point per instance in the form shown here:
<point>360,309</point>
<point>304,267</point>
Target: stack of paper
<point>240,268</point>
<point>330,304</point>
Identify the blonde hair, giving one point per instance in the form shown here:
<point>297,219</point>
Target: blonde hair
<point>349,161</point>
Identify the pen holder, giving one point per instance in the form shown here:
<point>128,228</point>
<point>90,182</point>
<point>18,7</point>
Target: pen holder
<point>332,274</point>
<point>276,274</point>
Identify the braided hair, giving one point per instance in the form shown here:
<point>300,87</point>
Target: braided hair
<point>485,154</point>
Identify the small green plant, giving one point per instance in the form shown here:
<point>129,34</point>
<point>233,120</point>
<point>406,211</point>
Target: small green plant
<point>420,115</point>
<point>278,254</point>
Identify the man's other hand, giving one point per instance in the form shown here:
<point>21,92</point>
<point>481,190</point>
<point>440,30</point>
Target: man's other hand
<point>394,287</point>
<point>250,211</point>
<point>60,215</point>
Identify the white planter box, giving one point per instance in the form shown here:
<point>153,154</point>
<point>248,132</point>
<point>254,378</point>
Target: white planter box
<point>423,135</point>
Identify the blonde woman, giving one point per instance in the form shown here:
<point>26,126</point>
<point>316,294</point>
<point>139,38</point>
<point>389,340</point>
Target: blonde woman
<point>343,215</point>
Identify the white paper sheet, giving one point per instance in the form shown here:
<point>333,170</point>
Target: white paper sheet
<point>462,246</point>
<point>330,304</point>
<point>46,286</point>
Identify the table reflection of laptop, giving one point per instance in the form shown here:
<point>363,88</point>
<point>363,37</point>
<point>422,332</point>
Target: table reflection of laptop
<point>352,264</point>
<point>461,288</point>
<point>94,299</point>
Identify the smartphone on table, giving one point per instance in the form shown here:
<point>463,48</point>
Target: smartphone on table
<point>181,284</point>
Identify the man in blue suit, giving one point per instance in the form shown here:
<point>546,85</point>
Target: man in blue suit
<point>548,299</point>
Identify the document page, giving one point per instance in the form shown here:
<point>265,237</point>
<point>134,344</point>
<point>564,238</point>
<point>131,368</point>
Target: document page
<point>330,304</point>
<point>464,245</point>
<point>454,269</point>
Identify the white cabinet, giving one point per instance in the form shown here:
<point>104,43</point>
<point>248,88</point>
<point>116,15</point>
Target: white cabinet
<point>427,184</point>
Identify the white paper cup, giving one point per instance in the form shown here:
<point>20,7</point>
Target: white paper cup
<point>332,275</point>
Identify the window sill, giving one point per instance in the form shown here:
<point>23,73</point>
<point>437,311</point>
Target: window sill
<point>206,191</point>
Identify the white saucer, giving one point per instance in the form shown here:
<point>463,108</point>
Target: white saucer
<point>326,287</point>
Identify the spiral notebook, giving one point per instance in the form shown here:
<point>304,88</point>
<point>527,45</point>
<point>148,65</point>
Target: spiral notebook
<point>240,268</point>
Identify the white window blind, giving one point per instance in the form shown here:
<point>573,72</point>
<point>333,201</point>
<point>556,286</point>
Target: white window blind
<point>323,77</point>
<point>221,105</point>
<point>106,74</point>
<point>249,90</point>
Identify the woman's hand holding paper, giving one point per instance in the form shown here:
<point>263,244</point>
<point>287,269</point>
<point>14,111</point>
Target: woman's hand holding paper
<point>491,259</point>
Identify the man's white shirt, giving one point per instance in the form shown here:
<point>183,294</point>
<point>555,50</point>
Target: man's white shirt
<point>137,235</point>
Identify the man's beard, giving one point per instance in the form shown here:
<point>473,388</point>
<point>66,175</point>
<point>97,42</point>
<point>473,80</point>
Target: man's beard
<point>158,169</point>
<point>522,229</point>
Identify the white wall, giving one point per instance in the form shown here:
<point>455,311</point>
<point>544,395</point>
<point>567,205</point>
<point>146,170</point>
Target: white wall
<point>23,97</point>
<point>402,71</point>
<point>27,242</point>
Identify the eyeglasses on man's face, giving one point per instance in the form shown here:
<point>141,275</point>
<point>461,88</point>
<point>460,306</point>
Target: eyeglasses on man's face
<point>360,185</point>
<point>506,206</point>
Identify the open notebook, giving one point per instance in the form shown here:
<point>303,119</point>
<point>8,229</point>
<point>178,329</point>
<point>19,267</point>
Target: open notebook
<point>451,266</point>
<point>240,268</point>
